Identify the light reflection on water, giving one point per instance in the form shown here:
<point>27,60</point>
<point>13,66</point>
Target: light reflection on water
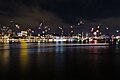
<point>24,56</point>
<point>5,56</point>
<point>41,59</point>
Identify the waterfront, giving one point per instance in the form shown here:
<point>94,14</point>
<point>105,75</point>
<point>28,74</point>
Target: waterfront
<point>59,39</point>
<point>27,61</point>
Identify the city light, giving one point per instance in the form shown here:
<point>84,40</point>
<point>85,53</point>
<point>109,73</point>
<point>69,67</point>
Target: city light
<point>92,29</point>
<point>97,31</point>
<point>117,31</point>
<point>17,26</point>
<point>8,35</point>
<point>98,27</point>
<point>107,28</point>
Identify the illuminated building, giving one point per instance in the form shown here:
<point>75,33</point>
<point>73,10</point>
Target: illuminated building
<point>24,33</point>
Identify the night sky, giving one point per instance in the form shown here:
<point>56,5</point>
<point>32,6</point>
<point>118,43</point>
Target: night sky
<point>55,13</point>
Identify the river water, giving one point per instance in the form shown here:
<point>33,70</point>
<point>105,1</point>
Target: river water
<point>43,61</point>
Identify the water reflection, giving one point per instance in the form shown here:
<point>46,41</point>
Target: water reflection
<point>40,57</point>
<point>97,49</point>
<point>24,57</point>
<point>6,46</point>
<point>5,57</point>
<point>59,57</point>
<point>57,60</point>
<point>94,61</point>
<point>117,61</point>
<point>117,48</point>
<point>59,48</point>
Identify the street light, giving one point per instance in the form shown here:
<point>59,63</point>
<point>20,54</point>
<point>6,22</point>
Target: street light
<point>17,26</point>
<point>95,33</point>
<point>81,22</point>
<point>61,30</point>
<point>92,29</point>
<point>117,31</point>
<point>71,32</point>
<point>43,32</point>
<point>107,28</point>
<point>98,27</point>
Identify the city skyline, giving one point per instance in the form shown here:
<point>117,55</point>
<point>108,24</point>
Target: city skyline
<point>59,39</point>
